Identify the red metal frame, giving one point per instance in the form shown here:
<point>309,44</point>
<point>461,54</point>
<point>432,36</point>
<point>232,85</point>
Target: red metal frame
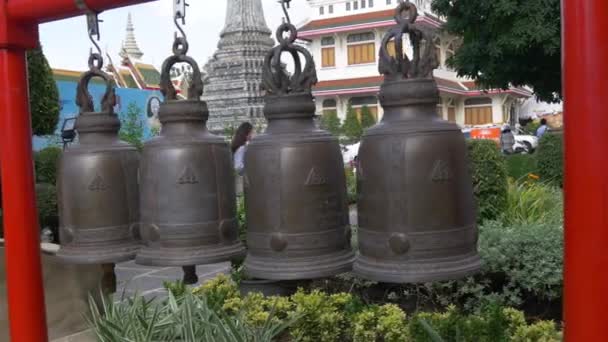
<point>19,21</point>
<point>585,79</point>
<point>586,164</point>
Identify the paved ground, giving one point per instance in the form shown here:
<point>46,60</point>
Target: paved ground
<point>148,281</point>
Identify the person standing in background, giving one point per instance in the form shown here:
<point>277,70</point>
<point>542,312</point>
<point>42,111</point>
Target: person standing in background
<point>507,140</point>
<point>542,129</point>
<point>239,146</point>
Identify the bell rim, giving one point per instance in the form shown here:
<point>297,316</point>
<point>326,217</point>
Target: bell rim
<point>272,268</point>
<point>417,271</point>
<point>200,255</point>
<point>80,255</point>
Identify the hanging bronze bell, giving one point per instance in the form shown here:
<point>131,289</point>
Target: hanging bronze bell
<point>416,209</point>
<point>97,183</point>
<point>188,201</point>
<point>295,188</point>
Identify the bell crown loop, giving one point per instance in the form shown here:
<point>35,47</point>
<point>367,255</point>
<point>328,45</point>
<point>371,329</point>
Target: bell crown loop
<point>422,63</point>
<point>276,79</point>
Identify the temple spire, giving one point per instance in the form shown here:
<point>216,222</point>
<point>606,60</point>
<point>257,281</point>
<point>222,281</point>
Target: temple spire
<point>234,74</point>
<point>245,16</point>
<point>129,45</point>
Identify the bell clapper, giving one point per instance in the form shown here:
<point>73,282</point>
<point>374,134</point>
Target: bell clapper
<point>190,276</point>
<point>108,281</point>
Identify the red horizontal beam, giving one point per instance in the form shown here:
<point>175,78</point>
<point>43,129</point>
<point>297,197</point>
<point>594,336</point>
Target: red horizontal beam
<point>41,11</point>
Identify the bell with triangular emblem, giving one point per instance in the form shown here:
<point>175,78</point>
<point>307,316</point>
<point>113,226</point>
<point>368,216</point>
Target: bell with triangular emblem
<point>295,188</point>
<point>97,183</point>
<point>416,210</point>
<point>188,199</point>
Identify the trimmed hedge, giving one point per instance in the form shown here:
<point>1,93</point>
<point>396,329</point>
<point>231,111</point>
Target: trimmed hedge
<point>489,173</point>
<point>551,158</point>
<point>46,162</point>
<point>519,166</point>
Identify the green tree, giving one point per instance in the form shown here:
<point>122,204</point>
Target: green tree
<point>331,122</point>
<point>132,127</point>
<point>367,118</point>
<point>352,127</point>
<point>44,96</point>
<point>507,42</point>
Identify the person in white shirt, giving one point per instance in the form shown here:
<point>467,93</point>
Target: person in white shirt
<point>542,129</point>
<point>239,146</point>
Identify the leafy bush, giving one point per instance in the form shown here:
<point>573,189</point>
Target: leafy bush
<point>318,316</point>
<point>331,122</point>
<point>132,126</point>
<point>380,323</point>
<point>489,174</point>
<point>531,202</point>
<point>519,166</point>
<point>351,185</point>
<point>551,159</point>
<point>351,127</point>
<point>521,264</point>
<point>46,163</point>
<point>48,212</point>
<point>367,118</point>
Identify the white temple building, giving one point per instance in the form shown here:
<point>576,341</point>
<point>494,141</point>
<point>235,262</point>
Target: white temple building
<point>344,38</point>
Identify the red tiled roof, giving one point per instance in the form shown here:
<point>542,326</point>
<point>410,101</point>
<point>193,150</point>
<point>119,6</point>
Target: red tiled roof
<point>374,81</point>
<point>349,20</point>
<point>444,85</point>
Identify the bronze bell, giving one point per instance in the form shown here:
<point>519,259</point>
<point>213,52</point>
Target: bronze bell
<point>295,188</point>
<point>416,211</point>
<point>97,183</point>
<point>188,200</point>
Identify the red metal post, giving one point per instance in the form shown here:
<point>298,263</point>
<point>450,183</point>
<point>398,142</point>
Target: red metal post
<point>585,81</point>
<point>19,31</point>
<point>23,268</point>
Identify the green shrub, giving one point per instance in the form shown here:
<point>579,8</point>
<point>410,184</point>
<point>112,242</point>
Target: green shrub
<point>132,126</point>
<point>242,219</point>
<point>351,185</point>
<point>385,323</point>
<point>531,202</point>
<point>519,166</point>
<point>46,162</point>
<point>367,118</point>
<point>551,159</point>
<point>491,325</point>
<point>305,316</point>
<point>489,174</point>
<point>351,127</point>
<point>46,201</point>
<point>543,331</point>
<point>331,122</point>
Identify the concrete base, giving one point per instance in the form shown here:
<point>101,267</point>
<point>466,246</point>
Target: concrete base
<point>66,289</point>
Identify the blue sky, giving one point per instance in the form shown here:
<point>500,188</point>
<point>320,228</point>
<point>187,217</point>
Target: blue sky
<point>66,43</point>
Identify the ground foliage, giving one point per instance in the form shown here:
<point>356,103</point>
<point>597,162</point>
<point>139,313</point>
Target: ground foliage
<point>507,42</point>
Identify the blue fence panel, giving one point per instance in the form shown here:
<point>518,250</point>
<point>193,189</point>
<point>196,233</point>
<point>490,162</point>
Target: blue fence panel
<point>145,100</point>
